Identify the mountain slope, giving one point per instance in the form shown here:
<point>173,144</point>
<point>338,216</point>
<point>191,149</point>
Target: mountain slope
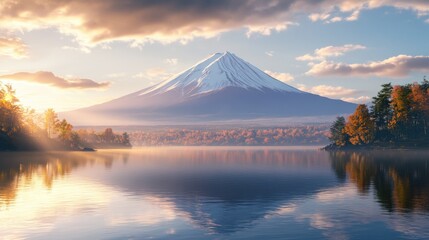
<point>221,87</point>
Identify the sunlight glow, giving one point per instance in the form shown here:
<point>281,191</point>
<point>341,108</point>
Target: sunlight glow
<point>8,97</point>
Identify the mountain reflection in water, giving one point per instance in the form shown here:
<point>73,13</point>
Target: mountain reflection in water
<point>214,192</point>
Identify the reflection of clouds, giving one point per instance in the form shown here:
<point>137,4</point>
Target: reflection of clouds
<point>330,227</point>
<point>415,226</point>
<point>282,210</point>
<point>343,213</point>
<point>337,211</point>
<point>319,221</point>
<point>337,194</point>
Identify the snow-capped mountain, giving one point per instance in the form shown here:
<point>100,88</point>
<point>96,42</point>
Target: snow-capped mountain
<point>221,87</point>
<point>217,72</point>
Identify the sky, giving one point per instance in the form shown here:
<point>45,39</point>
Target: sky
<point>72,54</point>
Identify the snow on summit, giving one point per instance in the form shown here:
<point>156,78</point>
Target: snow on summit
<point>218,71</point>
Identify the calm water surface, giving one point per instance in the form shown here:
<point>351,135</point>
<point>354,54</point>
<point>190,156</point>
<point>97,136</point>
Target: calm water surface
<point>214,193</point>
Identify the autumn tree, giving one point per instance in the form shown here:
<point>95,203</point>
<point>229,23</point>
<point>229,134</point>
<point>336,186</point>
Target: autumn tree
<point>51,121</point>
<point>64,130</point>
<point>381,112</point>
<point>419,110</point>
<point>400,105</point>
<point>338,137</point>
<point>360,126</point>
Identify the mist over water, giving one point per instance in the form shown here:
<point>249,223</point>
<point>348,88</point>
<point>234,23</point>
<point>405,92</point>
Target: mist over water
<point>214,193</point>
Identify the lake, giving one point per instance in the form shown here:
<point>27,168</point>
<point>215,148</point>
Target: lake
<point>215,193</point>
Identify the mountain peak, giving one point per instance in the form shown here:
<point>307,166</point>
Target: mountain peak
<point>216,72</point>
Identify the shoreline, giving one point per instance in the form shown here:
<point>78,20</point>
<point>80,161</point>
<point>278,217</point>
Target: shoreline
<point>374,147</point>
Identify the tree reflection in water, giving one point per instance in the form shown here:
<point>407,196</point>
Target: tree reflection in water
<point>23,167</point>
<point>400,178</point>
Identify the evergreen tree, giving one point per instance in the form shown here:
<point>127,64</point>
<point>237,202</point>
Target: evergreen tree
<point>381,112</point>
<point>338,136</point>
<point>360,127</point>
<point>425,84</point>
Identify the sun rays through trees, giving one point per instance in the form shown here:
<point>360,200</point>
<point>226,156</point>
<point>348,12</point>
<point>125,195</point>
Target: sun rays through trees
<point>24,129</point>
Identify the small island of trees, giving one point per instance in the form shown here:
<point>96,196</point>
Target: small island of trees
<point>24,129</point>
<point>398,118</point>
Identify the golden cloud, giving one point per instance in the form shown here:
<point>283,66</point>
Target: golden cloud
<point>329,91</point>
<point>49,78</point>
<point>284,77</point>
<point>13,47</point>
<point>321,54</point>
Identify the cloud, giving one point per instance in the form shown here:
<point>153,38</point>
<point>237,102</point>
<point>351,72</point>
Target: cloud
<point>80,48</point>
<point>284,77</point>
<point>354,8</point>
<point>335,19</point>
<point>144,21</point>
<point>318,16</point>
<point>354,16</point>
<point>172,61</point>
<point>321,54</point>
<point>140,21</point>
<point>328,91</point>
<point>49,78</point>
<point>267,29</point>
<point>154,74</point>
<point>13,47</point>
<point>270,53</point>
<point>337,92</point>
<point>360,99</point>
<point>398,66</point>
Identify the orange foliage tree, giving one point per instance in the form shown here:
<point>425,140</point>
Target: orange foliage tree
<point>401,111</point>
<point>360,126</point>
<point>419,109</point>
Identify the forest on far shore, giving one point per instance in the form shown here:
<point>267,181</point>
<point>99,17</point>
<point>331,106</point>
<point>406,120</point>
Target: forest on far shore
<point>243,136</point>
<point>397,118</point>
